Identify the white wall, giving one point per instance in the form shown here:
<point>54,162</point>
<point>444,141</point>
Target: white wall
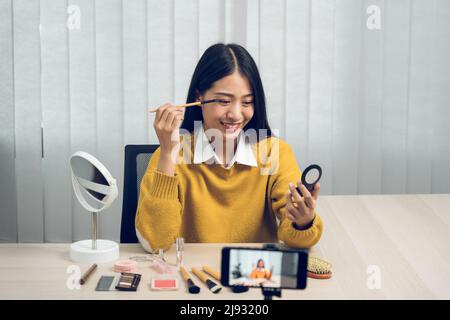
<point>371,106</point>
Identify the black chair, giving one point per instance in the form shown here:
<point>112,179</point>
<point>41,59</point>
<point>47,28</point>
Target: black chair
<point>136,161</point>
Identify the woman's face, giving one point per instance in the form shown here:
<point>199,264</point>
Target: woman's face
<point>260,264</point>
<point>235,109</point>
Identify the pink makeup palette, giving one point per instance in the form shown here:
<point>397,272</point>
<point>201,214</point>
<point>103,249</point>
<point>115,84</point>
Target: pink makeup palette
<point>164,284</point>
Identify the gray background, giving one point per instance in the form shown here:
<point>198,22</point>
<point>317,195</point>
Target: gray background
<point>371,106</point>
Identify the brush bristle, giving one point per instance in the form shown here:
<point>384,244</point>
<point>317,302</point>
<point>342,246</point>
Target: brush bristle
<point>216,289</point>
<point>318,266</point>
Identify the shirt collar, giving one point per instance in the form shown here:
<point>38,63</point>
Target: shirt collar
<point>204,151</point>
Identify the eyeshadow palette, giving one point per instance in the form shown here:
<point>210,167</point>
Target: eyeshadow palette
<point>128,281</point>
<point>107,283</point>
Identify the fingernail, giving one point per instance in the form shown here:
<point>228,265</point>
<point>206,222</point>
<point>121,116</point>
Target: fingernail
<point>291,185</point>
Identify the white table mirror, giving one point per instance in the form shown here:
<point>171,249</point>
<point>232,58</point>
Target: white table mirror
<point>95,189</point>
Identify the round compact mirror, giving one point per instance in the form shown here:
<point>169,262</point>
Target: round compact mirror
<point>310,176</point>
<point>95,189</point>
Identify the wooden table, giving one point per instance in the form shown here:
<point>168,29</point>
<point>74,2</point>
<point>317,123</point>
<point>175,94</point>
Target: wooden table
<point>405,239</point>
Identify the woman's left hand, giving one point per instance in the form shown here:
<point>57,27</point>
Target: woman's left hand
<point>301,210</point>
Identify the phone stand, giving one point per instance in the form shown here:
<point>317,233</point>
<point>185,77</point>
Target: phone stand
<point>269,292</point>
<point>239,289</point>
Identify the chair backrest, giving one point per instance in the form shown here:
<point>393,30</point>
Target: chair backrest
<point>136,161</point>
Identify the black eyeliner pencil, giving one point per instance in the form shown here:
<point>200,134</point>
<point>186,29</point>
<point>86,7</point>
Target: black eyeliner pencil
<point>192,104</point>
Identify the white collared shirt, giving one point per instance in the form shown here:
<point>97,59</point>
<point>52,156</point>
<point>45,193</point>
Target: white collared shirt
<point>204,151</point>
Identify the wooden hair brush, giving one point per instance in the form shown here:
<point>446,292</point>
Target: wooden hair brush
<point>318,268</point>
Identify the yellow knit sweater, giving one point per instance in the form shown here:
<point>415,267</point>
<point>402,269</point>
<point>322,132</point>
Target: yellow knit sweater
<point>210,203</point>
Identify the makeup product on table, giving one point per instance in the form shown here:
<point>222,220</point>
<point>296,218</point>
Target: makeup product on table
<point>128,281</point>
<point>180,247</point>
<point>125,266</point>
<point>164,284</point>
<point>213,273</point>
<point>318,268</point>
<point>159,263</point>
<point>192,104</point>
<point>163,267</point>
<point>107,283</point>
<point>87,274</point>
<point>214,287</point>
<point>142,258</point>
<point>149,257</point>
<point>160,255</point>
<point>192,288</point>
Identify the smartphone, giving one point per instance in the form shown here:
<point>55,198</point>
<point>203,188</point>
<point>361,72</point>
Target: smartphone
<point>267,267</point>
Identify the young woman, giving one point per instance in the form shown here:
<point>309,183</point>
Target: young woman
<point>260,271</point>
<point>231,185</point>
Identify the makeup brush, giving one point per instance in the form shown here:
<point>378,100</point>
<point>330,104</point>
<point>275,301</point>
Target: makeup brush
<point>192,104</point>
<point>213,273</point>
<point>191,285</point>
<point>214,287</point>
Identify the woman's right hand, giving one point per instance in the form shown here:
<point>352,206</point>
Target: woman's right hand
<point>167,124</point>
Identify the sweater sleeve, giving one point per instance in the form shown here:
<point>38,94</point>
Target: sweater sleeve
<point>158,216</point>
<point>288,171</point>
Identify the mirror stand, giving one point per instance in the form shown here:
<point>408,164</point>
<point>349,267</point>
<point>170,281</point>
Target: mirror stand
<point>94,230</point>
<point>91,182</point>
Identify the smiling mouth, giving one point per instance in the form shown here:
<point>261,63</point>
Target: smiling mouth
<point>230,126</point>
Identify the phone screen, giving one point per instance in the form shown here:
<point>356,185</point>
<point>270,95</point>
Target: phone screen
<point>260,267</point>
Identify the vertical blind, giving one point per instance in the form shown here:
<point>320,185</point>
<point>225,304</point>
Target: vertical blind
<point>371,105</point>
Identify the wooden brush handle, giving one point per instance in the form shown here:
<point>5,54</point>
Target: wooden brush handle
<point>182,105</point>
<point>184,274</point>
<point>212,272</point>
<point>200,274</point>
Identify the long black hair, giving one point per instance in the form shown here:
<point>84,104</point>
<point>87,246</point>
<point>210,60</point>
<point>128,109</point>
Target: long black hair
<point>217,62</point>
<point>260,260</point>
